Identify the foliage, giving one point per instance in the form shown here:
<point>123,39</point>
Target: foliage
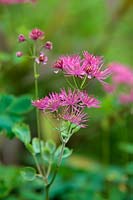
<point>100,184</point>
<point>13,110</point>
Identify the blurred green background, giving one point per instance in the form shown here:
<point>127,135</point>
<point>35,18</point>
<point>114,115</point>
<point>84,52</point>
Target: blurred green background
<point>101,167</point>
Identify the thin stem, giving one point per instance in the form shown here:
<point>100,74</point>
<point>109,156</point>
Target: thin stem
<point>47,192</point>
<point>75,82</point>
<point>69,83</point>
<point>48,170</point>
<point>58,164</point>
<point>36,76</point>
<point>83,82</point>
<point>39,169</point>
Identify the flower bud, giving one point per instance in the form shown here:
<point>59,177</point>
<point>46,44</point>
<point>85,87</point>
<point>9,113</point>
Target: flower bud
<point>21,38</point>
<point>49,45</point>
<point>19,54</point>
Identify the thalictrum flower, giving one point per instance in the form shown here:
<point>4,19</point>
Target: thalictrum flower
<point>21,38</point>
<point>125,98</point>
<point>49,45</point>
<point>67,105</point>
<point>19,54</point>
<point>89,66</point>
<point>77,117</point>
<point>15,1</point>
<point>42,59</point>
<point>121,74</point>
<point>36,34</point>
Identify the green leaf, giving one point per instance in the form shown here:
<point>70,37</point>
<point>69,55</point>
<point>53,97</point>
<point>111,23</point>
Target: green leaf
<point>129,168</point>
<point>21,105</point>
<point>5,101</point>
<point>29,147</point>
<point>36,145</point>
<point>126,147</point>
<point>50,145</point>
<point>28,173</point>
<point>22,132</point>
<point>67,152</point>
<point>74,128</point>
<point>47,156</point>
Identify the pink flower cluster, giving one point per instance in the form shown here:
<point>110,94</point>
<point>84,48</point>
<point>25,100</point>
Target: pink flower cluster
<point>122,76</point>
<point>15,1</point>
<point>89,66</point>
<point>36,34</point>
<point>68,105</point>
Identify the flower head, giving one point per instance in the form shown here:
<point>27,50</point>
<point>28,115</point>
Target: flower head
<point>14,1</point>
<point>36,34</point>
<point>72,66</point>
<point>19,54</point>
<point>41,59</point>
<point>121,74</point>
<point>21,38</point>
<point>89,66</point>
<point>89,101</point>
<point>125,98</point>
<point>49,45</point>
<point>67,105</point>
<point>75,116</point>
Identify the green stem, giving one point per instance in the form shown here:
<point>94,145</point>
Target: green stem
<point>39,169</point>
<point>75,82</point>
<point>83,82</point>
<point>36,76</point>
<point>69,83</point>
<point>58,165</point>
<point>47,192</point>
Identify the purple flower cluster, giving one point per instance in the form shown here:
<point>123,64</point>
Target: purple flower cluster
<point>68,105</point>
<point>88,66</point>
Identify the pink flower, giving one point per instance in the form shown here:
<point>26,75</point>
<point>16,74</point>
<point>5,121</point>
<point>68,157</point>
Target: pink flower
<point>19,54</point>
<point>14,1</point>
<point>69,98</point>
<point>89,101</point>
<point>49,45</point>
<point>121,74</point>
<point>21,38</point>
<point>67,105</point>
<point>36,34</point>
<point>58,64</point>
<point>75,116</point>
<point>41,104</point>
<point>41,59</point>
<point>126,98</point>
<point>49,103</point>
<point>72,66</point>
<point>92,66</point>
<point>89,66</point>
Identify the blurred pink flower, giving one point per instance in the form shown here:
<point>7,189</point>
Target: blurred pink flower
<point>15,1</point>
<point>121,74</point>
<point>126,98</point>
<point>19,54</point>
<point>36,34</point>
<point>42,59</point>
<point>21,38</point>
<point>49,45</point>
